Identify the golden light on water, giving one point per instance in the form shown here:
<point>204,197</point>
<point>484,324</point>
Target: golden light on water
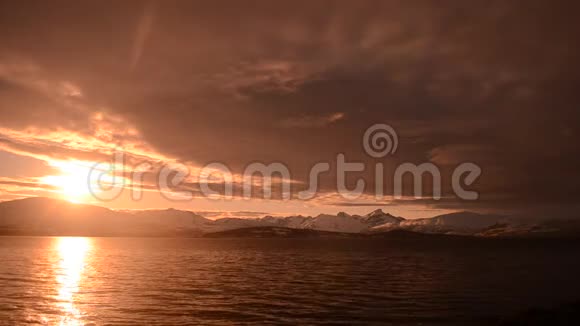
<point>72,253</point>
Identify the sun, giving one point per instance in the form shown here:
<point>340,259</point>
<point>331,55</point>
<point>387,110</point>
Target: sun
<point>76,183</point>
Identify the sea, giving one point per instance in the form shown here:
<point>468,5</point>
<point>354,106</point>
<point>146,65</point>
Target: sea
<point>280,281</point>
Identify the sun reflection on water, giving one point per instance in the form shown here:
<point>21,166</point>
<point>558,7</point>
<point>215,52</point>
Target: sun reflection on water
<point>72,253</point>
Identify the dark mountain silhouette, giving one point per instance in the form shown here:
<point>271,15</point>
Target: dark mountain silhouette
<point>277,232</point>
<point>45,216</point>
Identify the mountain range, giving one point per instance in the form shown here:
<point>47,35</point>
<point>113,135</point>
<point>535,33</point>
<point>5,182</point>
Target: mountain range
<point>45,216</point>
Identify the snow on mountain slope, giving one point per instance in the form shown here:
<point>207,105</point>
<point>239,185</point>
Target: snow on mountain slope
<point>296,222</point>
<point>171,218</point>
<point>293,222</point>
<point>460,222</point>
<point>341,222</point>
<point>378,217</point>
<point>231,223</point>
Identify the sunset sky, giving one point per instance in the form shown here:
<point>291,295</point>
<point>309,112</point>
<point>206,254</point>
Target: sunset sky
<point>237,82</point>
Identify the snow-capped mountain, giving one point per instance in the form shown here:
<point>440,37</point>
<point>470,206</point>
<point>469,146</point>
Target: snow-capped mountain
<point>457,223</point>
<point>341,222</point>
<point>171,217</point>
<point>44,216</point>
<point>378,217</point>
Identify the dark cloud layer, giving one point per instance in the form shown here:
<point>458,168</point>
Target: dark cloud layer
<point>490,82</point>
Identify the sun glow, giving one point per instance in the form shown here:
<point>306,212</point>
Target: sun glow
<point>79,180</point>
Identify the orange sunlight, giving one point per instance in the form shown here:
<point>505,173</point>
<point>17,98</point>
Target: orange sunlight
<point>76,183</point>
<point>72,252</point>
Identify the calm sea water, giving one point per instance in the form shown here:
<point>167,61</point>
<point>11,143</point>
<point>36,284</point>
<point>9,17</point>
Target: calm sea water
<point>78,281</point>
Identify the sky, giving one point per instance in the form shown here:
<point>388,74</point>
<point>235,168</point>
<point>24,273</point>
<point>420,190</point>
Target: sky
<point>189,83</point>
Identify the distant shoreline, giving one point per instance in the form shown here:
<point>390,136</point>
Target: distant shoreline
<point>281,232</point>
